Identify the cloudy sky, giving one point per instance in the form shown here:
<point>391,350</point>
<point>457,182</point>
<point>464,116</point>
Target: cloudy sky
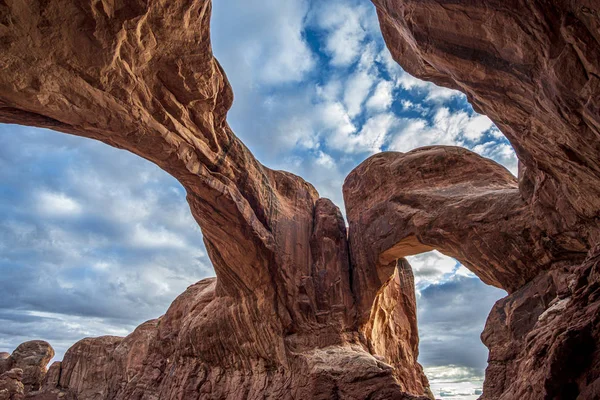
<point>94,240</point>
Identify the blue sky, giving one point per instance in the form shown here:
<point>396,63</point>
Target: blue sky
<point>95,240</point>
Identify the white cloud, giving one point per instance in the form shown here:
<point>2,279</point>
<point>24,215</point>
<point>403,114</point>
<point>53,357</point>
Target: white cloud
<point>268,53</point>
<point>445,128</point>
<point>431,267</point>
<point>331,90</point>
<point>57,204</point>
<point>476,126</point>
<point>434,93</point>
<point>334,117</point>
<point>325,160</point>
<point>370,138</point>
<point>356,91</point>
<point>345,31</point>
<point>382,98</point>
<point>501,152</point>
<point>157,237</point>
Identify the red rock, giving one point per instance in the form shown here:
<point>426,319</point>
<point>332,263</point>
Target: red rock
<point>298,310</point>
<point>401,204</point>
<point>392,329</point>
<point>32,358</point>
<point>532,67</point>
<point>5,362</point>
<point>11,387</point>
<point>27,364</point>
<point>280,318</point>
<point>52,378</point>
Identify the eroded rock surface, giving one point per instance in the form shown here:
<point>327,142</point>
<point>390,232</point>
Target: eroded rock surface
<point>445,198</point>
<point>300,309</point>
<point>27,365</point>
<point>11,386</point>
<point>532,67</point>
<point>279,321</point>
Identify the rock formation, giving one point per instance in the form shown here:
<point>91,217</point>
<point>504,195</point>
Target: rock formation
<point>24,370</point>
<point>533,68</point>
<point>11,387</point>
<point>279,320</point>
<point>300,308</point>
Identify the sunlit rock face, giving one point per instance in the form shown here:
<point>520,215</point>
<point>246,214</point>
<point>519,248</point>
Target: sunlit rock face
<point>532,67</point>
<point>24,370</point>
<point>279,321</point>
<point>300,308</point>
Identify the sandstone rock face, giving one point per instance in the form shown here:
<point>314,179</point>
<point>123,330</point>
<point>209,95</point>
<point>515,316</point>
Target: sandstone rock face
<point>280,319</point>
<point>32,358</point>
<point>300,308</point>
<point>444,198</point>
<point>175,357</point>
<point>11,387</point>
<point>5,362</point>
<point>27,365</point>
<point>392,327</point>
<point>532,67</point>
<point>52,378</point>
<point>543,339</point>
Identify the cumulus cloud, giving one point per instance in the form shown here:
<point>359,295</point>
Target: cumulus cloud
<point>431,267</point>
<point>501,152</point>
<point>358,88</point>
<point>382,98</point>
<point>264,53</point>
<point>57,204</point>
<point>344,24</point>
<point>444,128</point>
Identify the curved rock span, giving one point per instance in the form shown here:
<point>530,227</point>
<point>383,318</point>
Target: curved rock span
<point>308,309</point>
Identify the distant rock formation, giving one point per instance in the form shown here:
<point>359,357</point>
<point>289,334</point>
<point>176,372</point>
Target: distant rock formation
<point>24,370</point>
<point>11,386</point>
<point>300,308</point>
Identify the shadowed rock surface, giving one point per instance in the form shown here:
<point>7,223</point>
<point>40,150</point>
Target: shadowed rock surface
<point>300,309</point>
<point>532,67</point>
<point>279,321</point>
<point>30,360</point>
<point>11,387</point>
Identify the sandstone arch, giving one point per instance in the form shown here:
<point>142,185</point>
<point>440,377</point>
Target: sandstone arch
<point>444,198</point>
<point>141,76</point>
<point>295,304</point>
<point>532,67</point>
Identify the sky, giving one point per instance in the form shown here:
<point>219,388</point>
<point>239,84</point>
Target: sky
<point>95,240</point>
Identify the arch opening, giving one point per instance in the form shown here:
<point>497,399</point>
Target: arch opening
<point>94,240</point>
<point>452,305</point>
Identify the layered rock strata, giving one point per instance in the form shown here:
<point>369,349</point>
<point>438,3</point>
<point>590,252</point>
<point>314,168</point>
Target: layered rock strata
<point>300,309</point>
<point>532,67</point>
<point>279,321</point>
